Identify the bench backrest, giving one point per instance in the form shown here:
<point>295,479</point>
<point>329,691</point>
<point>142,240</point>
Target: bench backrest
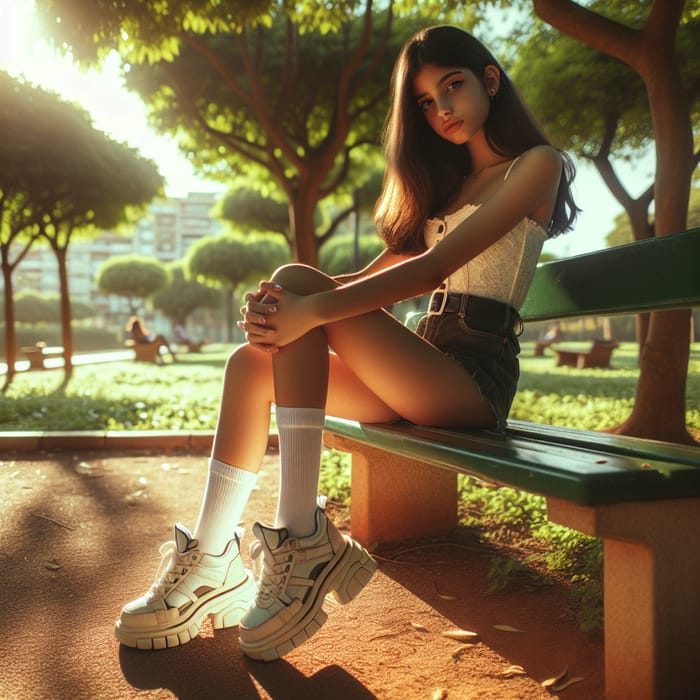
<point>651,275</point>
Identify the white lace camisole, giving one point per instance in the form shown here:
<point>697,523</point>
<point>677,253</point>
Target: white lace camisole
<point>503,271</point>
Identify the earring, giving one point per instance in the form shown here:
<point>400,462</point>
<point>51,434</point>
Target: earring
<point>492,92</point>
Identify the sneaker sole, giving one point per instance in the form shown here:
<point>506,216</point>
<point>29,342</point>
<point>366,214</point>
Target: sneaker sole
<point>226,610</point>
<point>351,573</point>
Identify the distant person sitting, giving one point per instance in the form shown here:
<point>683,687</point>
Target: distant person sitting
<point>182,338</point>
<point>142,335</point>
<point>552,336</point>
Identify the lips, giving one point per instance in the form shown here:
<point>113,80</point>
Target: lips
<point>451,126</point>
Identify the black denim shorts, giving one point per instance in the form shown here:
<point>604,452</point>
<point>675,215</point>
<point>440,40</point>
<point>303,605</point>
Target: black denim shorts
<point>491,358</point>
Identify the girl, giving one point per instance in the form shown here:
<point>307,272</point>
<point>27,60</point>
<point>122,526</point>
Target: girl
<point>471,192</point>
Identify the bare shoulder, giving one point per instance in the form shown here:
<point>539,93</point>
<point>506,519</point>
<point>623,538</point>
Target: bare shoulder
<point>535,182</point>
<point>543,161</point>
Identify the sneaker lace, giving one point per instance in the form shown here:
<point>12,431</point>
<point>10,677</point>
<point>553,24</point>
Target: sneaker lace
<point>173,566</point>
<point>271,573</point>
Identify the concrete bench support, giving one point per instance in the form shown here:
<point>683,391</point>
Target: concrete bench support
<point>652,593</point>
<point>396,498</point>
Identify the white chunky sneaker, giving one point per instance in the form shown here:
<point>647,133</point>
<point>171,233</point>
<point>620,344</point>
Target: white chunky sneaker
<point>189,585</point>
<point>297,574</point>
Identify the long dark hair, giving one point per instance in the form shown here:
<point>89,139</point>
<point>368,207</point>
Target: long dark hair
<point>424,171</point>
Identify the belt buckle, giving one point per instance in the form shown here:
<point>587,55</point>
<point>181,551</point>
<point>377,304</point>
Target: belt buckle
<point>443,303</point>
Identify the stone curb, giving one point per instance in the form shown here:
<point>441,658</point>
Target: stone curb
<point>38,440</point>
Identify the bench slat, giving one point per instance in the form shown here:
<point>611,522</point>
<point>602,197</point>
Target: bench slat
<point>655,274</point>
<point>605,442</point>
<point>576,473</point>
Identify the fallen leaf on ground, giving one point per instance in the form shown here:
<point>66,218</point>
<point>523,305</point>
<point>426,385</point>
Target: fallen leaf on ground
<point>512,672</point>
<point>561,686</point>
<point>461,635</point>
<point>135,497</point>
<point>444,596</point>
<point>457,651</point>
<point>555,679</point>
<point>506,628</point>
<point>418,627</point>
<point>52,565</point>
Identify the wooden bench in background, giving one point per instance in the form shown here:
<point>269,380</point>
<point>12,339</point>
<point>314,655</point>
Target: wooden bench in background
<point>38,353</point>
<point>598,355</point>
<point>191,345</point>
<point>145,352</point>
<point>641,497</point>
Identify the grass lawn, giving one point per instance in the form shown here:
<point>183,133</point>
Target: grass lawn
<point>185,395</point>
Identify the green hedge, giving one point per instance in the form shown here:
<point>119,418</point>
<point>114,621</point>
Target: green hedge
<point>85,338</point>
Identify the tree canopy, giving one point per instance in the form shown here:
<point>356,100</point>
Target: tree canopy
<point>595,104</point>
<point>135,277</point>
<point>59,178</point>
<point>232,259</point>
<point>181,296</point>
<point>288,97</point>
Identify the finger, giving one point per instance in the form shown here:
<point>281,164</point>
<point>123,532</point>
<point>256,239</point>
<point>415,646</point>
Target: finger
<point>257,340</point>
<point>252,318</point>
<point>268,286</point>
<point>270,291</point>
<point>255,330</point>
<point>262,309</point>
<point>254,296</point>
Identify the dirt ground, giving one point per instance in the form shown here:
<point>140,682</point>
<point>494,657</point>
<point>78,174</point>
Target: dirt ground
<point>80,533</point>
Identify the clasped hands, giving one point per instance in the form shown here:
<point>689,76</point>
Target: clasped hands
<point>274,317</point>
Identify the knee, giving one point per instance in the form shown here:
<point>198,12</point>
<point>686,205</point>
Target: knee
<point>302,279</point>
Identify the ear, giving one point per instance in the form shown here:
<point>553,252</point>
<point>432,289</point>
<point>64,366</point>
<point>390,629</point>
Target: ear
<point>492,79</point>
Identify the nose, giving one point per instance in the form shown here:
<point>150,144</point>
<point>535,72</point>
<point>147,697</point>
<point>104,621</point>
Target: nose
<point>444,108</point>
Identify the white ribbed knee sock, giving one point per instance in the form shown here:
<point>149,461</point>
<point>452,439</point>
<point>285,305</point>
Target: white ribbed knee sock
<point>226,494</point>
<point>300,436</point>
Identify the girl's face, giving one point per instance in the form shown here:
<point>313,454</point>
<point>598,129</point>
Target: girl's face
<point>454,101</point>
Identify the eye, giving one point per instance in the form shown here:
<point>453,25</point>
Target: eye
<point>455,85</point>
<point>425,105</point>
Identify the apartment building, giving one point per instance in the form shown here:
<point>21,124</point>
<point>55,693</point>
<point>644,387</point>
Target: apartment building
<point>166,231</point>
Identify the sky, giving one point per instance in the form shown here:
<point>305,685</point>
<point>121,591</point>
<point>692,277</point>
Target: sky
<point>121,115</point>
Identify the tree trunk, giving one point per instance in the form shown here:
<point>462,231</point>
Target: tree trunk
<point>10,332</point>
<point>659,408</point>
<point>302,207</point>
<point>66,316</point>
<point>229,314</point>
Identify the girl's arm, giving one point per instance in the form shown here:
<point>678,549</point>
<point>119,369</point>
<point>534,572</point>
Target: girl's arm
<point>533,181</point>
<point>385,259</point>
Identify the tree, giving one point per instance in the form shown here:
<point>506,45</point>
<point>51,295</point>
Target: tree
<point>181,296</point>
<point>232,259</point>
<point>607,120</point>
<point>337,256</point>
<point>132,276</point>
<point>33,307</point>
<point>288,96</point>
<point>60,178</point>
<point>648,46</point>
<point>18,228</point>
<point>248,209</point>
<point>622,233</point>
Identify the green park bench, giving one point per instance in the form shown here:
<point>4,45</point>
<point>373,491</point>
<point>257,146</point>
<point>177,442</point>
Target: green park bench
<point>642,497</point>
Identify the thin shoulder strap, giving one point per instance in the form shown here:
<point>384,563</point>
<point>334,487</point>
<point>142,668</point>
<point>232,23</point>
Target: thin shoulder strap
<point>510,167</point>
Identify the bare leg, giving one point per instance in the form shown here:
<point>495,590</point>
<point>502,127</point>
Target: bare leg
<point>402,375</point>
<point>244,415</point>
